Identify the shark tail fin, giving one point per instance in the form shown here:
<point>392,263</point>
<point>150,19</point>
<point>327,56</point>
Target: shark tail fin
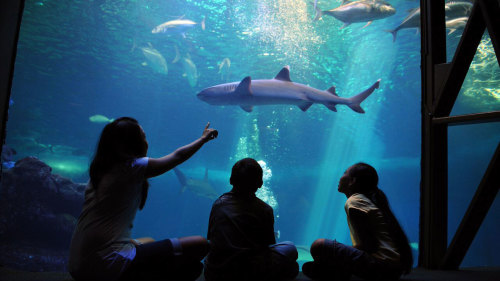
<point>355,102</point>
<point>203,24</point>
<point>181,177</point>
<point>394,33</point>
<point>318,11</point>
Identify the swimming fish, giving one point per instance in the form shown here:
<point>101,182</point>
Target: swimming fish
<point>178,25</point>
<point>98,118</point>
<point>201,188</point>
<point>457,9</point>
<point>453,10</point>
<point>358,11</point>
<point>412,20</point>
<point>190,71</point>
<point>280,90</point>
<point>224,66</point>
<point>454,24</point>
<point>177,54</point>
<point>156,60</point>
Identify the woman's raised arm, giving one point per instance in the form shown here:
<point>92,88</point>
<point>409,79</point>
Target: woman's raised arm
<point>158,166</point>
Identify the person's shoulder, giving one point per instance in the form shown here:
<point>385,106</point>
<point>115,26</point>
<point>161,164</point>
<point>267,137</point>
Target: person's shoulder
<point>224,198</point>
<point>263,204</point>
<point>359,201</point>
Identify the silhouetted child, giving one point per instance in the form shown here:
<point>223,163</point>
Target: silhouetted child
<point>241,233</point>
<point>102,247</point>
<point>380,248</point>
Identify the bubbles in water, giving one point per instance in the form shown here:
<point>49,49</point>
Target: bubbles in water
<point>265,193</point>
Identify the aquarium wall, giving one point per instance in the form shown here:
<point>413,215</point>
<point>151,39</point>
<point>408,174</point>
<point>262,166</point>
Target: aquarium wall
<point>82,64</point>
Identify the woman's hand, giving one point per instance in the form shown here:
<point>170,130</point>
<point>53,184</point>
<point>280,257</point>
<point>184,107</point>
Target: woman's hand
<point>209,134</point>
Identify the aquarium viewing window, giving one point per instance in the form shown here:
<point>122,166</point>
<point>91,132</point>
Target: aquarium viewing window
<point>173,65</point>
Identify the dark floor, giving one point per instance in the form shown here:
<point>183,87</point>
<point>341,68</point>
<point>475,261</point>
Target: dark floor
<point>418,274</point>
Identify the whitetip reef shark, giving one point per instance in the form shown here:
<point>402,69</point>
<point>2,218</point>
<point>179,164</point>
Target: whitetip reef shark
<point>280,90</point>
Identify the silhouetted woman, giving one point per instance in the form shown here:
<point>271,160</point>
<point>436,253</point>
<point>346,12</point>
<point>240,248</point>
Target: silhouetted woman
<point>102,247</point>
<point>380,248</point>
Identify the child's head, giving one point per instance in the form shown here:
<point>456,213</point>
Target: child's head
<point>246,175</point>
<point>123,139</point>
<point>359,178</point>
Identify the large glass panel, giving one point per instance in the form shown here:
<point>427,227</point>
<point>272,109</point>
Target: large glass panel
<point>470,151</point>
<point>480,91</point>
<point>456,16</point>
<point>81,64</point>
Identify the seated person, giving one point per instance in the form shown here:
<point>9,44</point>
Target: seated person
<point>102,247</point>
<point>380,247</point>
<point>241,233</point>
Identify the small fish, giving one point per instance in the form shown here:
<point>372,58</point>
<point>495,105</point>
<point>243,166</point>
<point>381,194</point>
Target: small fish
<point>452,9</point>
<point>358,11</point>
<point>457,9</point>
<point>190,71</point>
<point>454,24</point>
<point>155,59</point>
<point>177,54</point>
<point>178,25</point>
<point>412,20</point>
<point>98,118</point>
<point>224,66</point>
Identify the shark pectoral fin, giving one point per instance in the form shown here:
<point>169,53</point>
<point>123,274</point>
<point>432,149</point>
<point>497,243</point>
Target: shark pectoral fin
<point>367,24</point>
<point>284,74</point>
<point>305,106</point>
<point>331,107</point>
<point>247,108</point>
<point>332,91</point>
<point>451,31</point>
<point>244,86</point>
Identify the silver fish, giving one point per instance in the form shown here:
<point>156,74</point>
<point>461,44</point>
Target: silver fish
<point>358,11</point>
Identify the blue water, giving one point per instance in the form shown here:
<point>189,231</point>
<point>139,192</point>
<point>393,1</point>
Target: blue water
<point>83,58</point>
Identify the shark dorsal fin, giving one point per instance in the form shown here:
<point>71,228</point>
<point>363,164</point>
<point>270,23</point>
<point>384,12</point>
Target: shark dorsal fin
<point>331,90</point>
<point>244,86</point>
<point>284,74</point>
<point>206,174</point>
<point>247,108</point>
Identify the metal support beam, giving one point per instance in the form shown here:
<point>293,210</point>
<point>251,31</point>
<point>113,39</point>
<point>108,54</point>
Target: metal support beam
<point>466,119</point>
<point>434,163</point>
<point>471,37</point>
<point>491,12</point>
<point>10,21</point>
<point>475,214</point>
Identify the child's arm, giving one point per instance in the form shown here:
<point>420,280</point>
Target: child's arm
<point>158,166</point>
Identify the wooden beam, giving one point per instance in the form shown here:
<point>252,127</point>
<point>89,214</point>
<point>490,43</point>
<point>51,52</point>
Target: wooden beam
<point>475,214</point>
<point>434,162</point>
<point>471,37</point>
<point>466,119</point>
